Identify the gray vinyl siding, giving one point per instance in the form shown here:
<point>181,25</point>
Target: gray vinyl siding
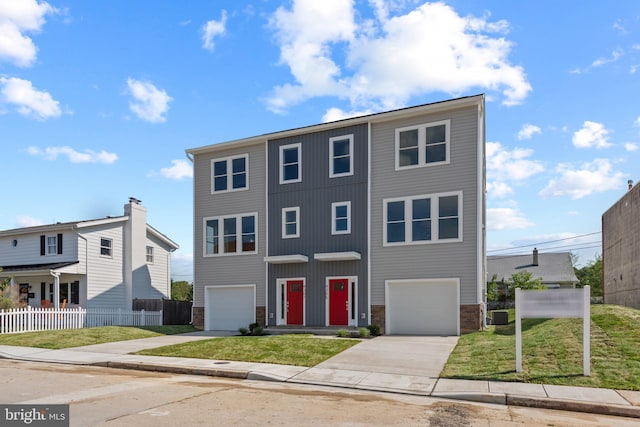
<point>435,260</point>
<point>229,269</point>
<point>314,196</point>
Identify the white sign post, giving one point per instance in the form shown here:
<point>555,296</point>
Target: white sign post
<point>555,303</point>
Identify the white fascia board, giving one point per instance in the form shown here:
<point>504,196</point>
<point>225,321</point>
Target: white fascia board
<point>286,259</point>
<point>337,256</point>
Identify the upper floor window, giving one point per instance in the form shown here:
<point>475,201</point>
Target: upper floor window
<point>291,222</point>
<point>341,156</point>
<point>290,163</point>
<point>230,174</point>
<point>106,247</point>
<point>341,218</point>
<point>51,245</point>
<point>423,219</point>
<point>149,254</point>
<point>230,235</point>
<point>423,145</point>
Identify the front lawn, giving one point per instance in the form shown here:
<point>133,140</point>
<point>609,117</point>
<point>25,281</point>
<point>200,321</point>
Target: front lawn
<point>552,351</point>
<point>66,338</point>
<point>298,350</point>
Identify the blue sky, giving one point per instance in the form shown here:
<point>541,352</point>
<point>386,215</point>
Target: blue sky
<point>99,100</point>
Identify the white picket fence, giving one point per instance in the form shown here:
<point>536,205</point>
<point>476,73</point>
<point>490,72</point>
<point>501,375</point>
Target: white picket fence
<point>30,319</point>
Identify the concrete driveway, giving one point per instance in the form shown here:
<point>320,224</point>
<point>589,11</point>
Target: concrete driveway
<point>387,363</point>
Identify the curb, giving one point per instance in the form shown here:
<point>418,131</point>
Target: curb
<point>574,406</point>
<point>211,372</point>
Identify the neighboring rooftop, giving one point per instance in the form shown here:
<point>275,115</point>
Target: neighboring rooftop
<point>551,267</point>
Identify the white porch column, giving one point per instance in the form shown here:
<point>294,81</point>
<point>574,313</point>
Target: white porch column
<point>56,289</point>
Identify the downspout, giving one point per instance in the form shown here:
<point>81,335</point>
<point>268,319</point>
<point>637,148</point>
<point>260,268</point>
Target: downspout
<point>86,261</point>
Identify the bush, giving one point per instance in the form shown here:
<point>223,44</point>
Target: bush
<point>364,332</point>
<point>243,331</point>
<point>343,333</point>
<point>374,330</point>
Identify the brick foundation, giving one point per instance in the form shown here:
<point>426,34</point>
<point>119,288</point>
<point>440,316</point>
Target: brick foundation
<point>261,315</point>
<point>470,318</point>
<point>198,317</point>
<point>378,316</point>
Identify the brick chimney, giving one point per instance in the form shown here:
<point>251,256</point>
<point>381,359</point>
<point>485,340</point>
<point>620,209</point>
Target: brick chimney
<point>535,257</point>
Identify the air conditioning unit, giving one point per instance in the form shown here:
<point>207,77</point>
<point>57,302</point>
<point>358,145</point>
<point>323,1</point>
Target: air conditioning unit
<point>500,318</point>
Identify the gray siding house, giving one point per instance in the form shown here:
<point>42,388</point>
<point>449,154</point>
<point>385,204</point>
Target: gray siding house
<point>97,263</point>
<point>377,219</point>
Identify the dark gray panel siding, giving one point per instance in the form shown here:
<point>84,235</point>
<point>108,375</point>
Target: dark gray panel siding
<point>236,269</point>
<point>437,260</point>
<point>314,195</point>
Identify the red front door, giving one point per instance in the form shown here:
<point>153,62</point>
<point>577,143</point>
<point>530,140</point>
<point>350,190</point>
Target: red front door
<point>295,302</point>
<point>338,302</point>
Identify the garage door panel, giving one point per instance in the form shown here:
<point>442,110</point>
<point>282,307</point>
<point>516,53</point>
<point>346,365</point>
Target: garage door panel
<point>423,307</point>
<point>229,308</point>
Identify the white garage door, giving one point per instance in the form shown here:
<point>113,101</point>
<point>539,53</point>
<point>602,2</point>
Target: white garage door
<point>227,308</point>
<point>423,307</point>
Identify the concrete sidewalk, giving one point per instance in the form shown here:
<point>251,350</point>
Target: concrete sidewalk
<point>409,365</point>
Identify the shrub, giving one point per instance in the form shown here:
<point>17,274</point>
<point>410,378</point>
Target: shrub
<point>374,329</point>
<point>243,331</point>
<point>364,332</point>
<point>257,330</point>
<point>343,333</point>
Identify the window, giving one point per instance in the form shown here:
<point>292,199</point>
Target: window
<point>230,174</point>
<point>230,235</point>
<point>290,222</point>
<point>106,247</point>
<point>290,163</point>
<point>413,220</point>
<point>341,156</point>
<point>341,218</point>
<point>422,145</point>
<point>70,293</point>
<point>149,254</point>
<point>52,245</point>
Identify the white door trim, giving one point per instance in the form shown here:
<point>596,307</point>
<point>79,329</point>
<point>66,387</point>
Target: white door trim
<point>281,300</point>
<point>352,299</point>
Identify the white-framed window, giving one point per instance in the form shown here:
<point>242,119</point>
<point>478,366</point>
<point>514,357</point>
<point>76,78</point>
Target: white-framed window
<point>291,163</point>
<point>149,254</point>
<point>423,145</point>
<point>291,222</point>
<point>230,234</point>
<point>341,218</point>
<point>340,156</point>
<point>52,245</point>
<point>106,247</point>
<point>230,174</point>
<point>433,218</point>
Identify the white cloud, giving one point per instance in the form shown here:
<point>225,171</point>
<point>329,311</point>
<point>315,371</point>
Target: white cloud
<point>506,166</point>
<point>86,156</point>
<point>631,146</point>
<point>16,19</point>
<point>335,114</point>
<point>637,122</point>
<point>213,29</point>
<point>591,177</point>
<point>28,221</point>
<point>527,131</point>
<point>390,59</point>
<point>592,134</point>
<point>499,219</point>
<point>149,103</point>
<point>180,169</point>
<point>615,55</point>
<point>29,101</point>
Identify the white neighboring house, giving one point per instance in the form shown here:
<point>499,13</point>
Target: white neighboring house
<point>99,263</point>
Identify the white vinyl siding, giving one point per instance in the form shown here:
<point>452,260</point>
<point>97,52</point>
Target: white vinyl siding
<point>290,163</point>
<point>423,145</point>
<point>341,156</point>
<point>230,174</point>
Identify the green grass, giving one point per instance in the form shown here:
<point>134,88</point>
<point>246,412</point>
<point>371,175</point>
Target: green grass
<point>552,351</point>
<point>298,350</point>
<point>67,338</point>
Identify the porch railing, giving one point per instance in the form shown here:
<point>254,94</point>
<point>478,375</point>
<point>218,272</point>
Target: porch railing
<point>30,319</point>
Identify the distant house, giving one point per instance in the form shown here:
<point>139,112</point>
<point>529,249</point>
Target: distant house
<point>104,262</point>
<point>621,250</point>
<point>554,268</point>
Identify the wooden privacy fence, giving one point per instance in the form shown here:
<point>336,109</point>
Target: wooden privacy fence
<point>30,319</point>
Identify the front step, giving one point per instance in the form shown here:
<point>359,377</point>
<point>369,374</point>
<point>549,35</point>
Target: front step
<point>315,330</point>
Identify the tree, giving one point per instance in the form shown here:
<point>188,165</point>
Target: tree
<point>524,280</point>
<point>492,289</point>
<point>591,274</point>
<point>181,291</point>
<point>6,299</point>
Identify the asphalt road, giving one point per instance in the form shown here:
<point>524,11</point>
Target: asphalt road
<point>112,397</point>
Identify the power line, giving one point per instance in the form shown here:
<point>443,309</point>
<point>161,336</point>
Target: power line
<point>502,256</point>
<point>544,243</point>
